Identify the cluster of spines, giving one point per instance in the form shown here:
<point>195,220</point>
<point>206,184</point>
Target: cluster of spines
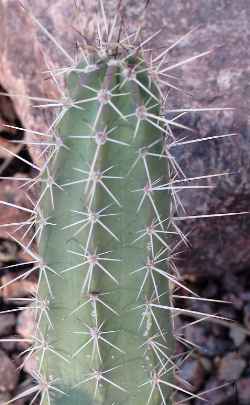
<point>156,230</point>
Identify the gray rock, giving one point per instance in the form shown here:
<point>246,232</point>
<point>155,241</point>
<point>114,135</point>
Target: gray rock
<point>245,351</point>
<point>245,296</point>
<point>208,344</point>
<point>181,398</point>
<point>247,316</point>
<point>243,388</point>
<point>238,335</point>
<point>236,301</point>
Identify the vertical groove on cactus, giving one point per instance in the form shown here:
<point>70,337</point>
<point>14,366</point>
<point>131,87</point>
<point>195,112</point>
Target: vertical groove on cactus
<point>104,218</point>
<point>107,253</point>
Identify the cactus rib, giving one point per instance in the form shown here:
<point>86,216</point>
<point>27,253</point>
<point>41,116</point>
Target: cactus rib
<point>104,309</point>
<point>105,190</point>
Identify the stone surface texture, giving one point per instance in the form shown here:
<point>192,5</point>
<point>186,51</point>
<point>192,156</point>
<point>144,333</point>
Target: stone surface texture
<point>220,79</point>
<point>218,258</point>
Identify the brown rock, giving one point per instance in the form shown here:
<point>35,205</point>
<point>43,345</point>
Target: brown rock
<point>220,79</point>
<point>24,386</point>
<point>219,245</point>
<point>7,117</point>
<point>10,193</point>
<point>191,375</point>
<point>207,364</point>
<point>216,394</point>
<point>7,324</point>
<point>30,364</point>
<point>25,52</point>
<point>5,147</point>
<point>17,360</point>
<point>16,289</point>
<point>8,374</point>
<point>9,346</point>
<point>26,323</point>
<point>4,397</point>
<point>231,367</point>
<point>8,250</point>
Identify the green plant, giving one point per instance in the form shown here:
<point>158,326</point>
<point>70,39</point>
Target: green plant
<point>104,219</point>
<point>109,182</point>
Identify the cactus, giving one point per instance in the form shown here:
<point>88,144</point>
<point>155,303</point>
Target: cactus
<point>108,273</point>
<point>104,219</point>
<point>106,257</point>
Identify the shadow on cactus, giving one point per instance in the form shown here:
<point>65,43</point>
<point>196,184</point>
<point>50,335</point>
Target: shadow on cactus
<point>104,222</point>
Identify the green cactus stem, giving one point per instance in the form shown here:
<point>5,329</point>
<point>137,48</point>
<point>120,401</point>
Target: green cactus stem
<point>106,259</point>
<point>104,314</point>
<point>104,331</point>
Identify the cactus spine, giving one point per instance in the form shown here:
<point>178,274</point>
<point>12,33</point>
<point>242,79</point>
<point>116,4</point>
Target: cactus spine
<point>106,258</point>
<point>104,333</point>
